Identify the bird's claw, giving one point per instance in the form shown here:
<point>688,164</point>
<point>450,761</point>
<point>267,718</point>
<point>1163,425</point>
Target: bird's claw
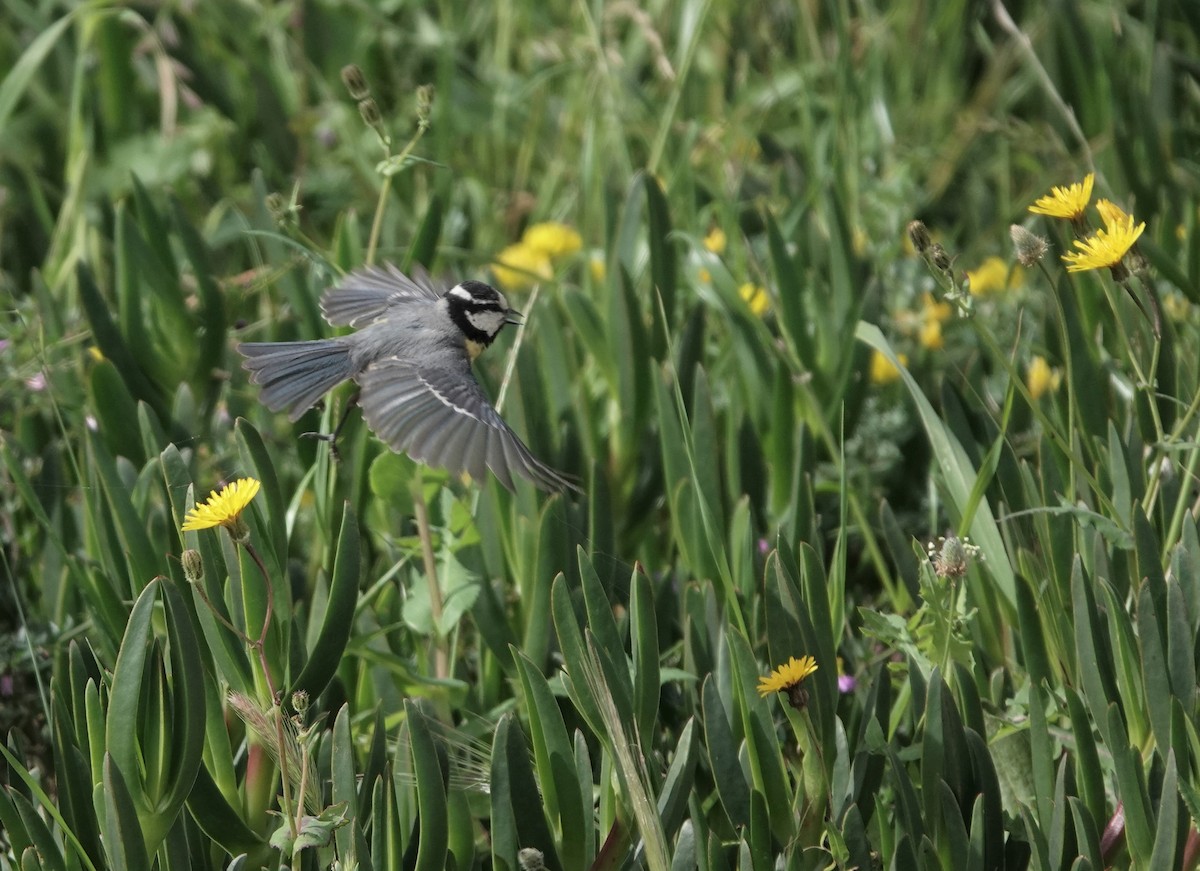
<point>330,437</point>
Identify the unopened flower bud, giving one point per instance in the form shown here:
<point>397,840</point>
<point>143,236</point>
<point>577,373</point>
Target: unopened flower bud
<point>193,565</point>
<point>424,104</point>
<point>919,234</point>
<point>355,81</point>
<point>369,110</point>
<point>939,258</point>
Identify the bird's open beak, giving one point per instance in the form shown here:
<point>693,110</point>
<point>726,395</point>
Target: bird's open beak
<point>514,317</point>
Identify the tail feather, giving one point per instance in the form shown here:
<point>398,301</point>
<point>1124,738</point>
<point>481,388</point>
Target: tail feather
<point>294,375</point>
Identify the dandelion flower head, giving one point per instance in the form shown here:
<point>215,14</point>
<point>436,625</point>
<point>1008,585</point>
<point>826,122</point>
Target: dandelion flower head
<point>883,371</point>
<point>1066,202</point>
<point>715,241</point>
<point>224,508</point>
<point>520,266</point>
<point>756,297</point>
<point>552,239</point>
<point>787,676</point>
<point>1040,378</point>
<point>1105,248</point>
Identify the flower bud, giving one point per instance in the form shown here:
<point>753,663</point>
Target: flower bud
<point>919,234</point>
<point>193,565</point>
<point>355,81</point>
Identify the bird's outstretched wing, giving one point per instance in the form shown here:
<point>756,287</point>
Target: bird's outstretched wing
<point>363,295</point>
<point>441,417</point>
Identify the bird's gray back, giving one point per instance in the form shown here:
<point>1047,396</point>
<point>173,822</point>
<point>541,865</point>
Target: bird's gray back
<point>418,333</point>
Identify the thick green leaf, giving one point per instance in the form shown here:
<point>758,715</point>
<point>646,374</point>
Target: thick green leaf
<point>643,637</point>
<point>211,338</point>
<point>431,793</point>
<point>131,529</point>
<point>723,756</point>
<point>1131,790</point>
<point>554,757</point>
<point>122,829</point>
<point>512,785</point>
<point>1170,829</point>
<point>113,346</point>
<point>574,652</point>
<point>338,619</point>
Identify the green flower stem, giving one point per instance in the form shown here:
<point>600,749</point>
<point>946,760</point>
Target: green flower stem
<point>385,190</point>
<point>441,664</point>
<point>377,221</point>
<point>814,776</point>
<point>276,706</point>
<point>1145,380</point>
<point>1048,426</point>
<point>1073,412</point>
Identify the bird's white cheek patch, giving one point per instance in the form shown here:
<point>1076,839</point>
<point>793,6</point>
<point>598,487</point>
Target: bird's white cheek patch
<point>487,322</point>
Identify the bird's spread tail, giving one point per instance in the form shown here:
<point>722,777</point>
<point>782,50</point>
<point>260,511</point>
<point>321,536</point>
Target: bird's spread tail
<point>294,375</point>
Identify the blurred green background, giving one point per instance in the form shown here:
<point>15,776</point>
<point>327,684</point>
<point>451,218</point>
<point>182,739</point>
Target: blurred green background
<point>710,349</point>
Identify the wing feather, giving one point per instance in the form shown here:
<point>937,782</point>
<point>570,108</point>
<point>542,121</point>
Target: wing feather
<point>441,417</point>
<point>364,295</point>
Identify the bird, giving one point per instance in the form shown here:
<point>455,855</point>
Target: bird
<point>411,356</point>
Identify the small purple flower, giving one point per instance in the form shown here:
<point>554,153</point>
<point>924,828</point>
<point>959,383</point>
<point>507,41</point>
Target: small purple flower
<point>764,546</point>
<point>37,382</point>
<point>3,345</point>
<point>847,683</point>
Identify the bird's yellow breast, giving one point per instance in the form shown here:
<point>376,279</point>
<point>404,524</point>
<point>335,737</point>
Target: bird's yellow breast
<point>474,349</point>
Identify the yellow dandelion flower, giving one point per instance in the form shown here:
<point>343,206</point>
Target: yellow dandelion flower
<point>1111,213</point>
<point>882,369</point>
<point>597,267</point>
<point>990,277</point>
<point>224,508</point>
<point>1066,202</point>
<point>788,679</point>
<point>715,241</point>
<point>756,297</point>
<point>553,239</point>
<point>1105,248</point>
<point>521,266</point>
<point>1040,378</point>
<point>934,309</point>
<point>931,336</point>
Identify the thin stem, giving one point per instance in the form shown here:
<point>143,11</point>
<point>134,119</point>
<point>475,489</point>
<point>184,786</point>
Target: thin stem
<point>1068,362</point>
<point>377,223</point>
<point>276,704</point>
<point>441,664</point>
<point>381,203</point>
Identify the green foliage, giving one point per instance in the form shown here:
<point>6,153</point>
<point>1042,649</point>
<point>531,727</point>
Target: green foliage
<point>965,486</point>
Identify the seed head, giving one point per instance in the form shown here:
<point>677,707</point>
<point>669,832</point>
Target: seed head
<point>1030,247</point>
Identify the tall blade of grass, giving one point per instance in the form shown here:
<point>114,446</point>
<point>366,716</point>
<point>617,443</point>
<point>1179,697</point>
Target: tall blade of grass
<point>957,474</point>
<point>18,78</point>
<point>626,747</point>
